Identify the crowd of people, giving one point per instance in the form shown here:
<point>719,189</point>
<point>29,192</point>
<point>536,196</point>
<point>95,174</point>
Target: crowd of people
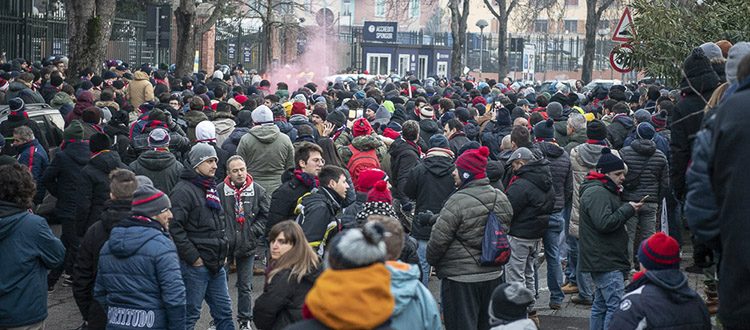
<point>351,197</point>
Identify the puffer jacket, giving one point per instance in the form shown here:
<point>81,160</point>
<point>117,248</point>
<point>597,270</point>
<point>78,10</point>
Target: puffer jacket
<point>429,185</point>
<point>224,123</point>
<point>562,177</point>
<point>94,189</point>
<point>457,141</point>
<point>281,302</point>
<point>684,122</point>
<point>286,128</point>
<point>197,230</point>
<point>300,120</point>
<point>561,131</point>
<point>661,299</point>
<point>63,177</point>
<point>267,153</point>
<point>140,90</point>
<point>415,306</point>
<point>30,249</point>
<point>320,209</point>
<point>583,160</point>
<point>621,126</point>
<point>161,167</point>
<point>532,195</point>
<point>244,237</point>
<point>363,143</point>
<point>37,163</point>
<point>28,95</point>
<point>456,237</point>
<point>64,102</point>
<point>646,165</point>
<point>603,239</point>
<point>139,275</point>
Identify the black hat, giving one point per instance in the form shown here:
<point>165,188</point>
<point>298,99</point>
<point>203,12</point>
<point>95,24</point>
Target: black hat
<point>596,130</point>
<point>56,81</point>
<point>544,130</point>
<point>699,71</point>
<point>555,110</point>
<point>109,75</point>
<point>510,302</point>
<point>608,162</point>
<point>439,141</point>
<point>99,142</point>
<point>16,104</point>
<point>337,118</point>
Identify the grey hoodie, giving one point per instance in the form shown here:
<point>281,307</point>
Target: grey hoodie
<point>583,159</point>
<point>267,154</point>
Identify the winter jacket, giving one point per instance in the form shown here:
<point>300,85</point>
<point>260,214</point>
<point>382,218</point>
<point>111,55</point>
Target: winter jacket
<point>603,240</point>
<point>140,90</point>
<point>457,141</point>
<point>662,143</point>
<point>224,123</point>
<point>118,134</point>
<point>84,100</point>
<point>648,166</point>
<point>320,209</point>
<point>429,184</point>
<point>404,157</point>
<point>267,153</point>
<point>281,302</point>
<point>428,128</point>
<point>94,189</point>
<point>287,128</point>
<point>193,118</point>
<point>47,91</point>
<point>215,83</point>
<point>661,299</point>
<point>363,143</point>
<point>87,260</point>
<point>30,250</point>
<point>284,200</point>
<point>231,142</point>
<point>532,195</point>
<point>63,177</point>
<point>28,95</point>
<point>37,162</point>
<point>685,122</point>
<point>197,230</point>
<point>492,137</point>
<point>578,138</point>
<point>415,306</point>
<point>562,177</point>
<point>701,210</point>
<point>301,120</point>
<point>244,237</point>
<point>161,167</point>
<point>621,126</point>
<point>561,131</point>
<point>344,139</point>
<point>456,237</point>
<point>139,274</point>
<point>583,159</point>
<point>62,102</point>
<point>14,121</point>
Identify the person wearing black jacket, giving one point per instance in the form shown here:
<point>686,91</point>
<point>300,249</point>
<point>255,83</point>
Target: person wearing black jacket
<point>532,196</point>
<point>430,184</point>
<point>121,187</point>
<point>246,209</point>
<point>198,229</point>
<point>319,219</point>
<point>94,188</point>
<point>308,158</point>
<point>17,118</point>
<point>405,155</point>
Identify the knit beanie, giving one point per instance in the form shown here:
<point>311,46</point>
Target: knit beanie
<point>503,117</point>
<point>645,131</point>
<point>699,71</point>
<point>241,99</point>
<point>471,145</point>
<point>380,193</point>
<point>642,116</point>
<point>659,119</point>
<point>545,130</point>
<point>518,112</point>
<point>200,153</point>
<point>337,118</point>
<point>735,55</point>
<point>300,98</point>
<point>426,112</point>
<point>299,108</point>
<point>712,51</point>
<point>608,162</point>
<point>463,114</point>
<point>555,110</point>
<point>439,141</point>
<point>660,251</point>
<point>356,248</point>
<point>149,201</point>
<point>99,142</point>
<point>368,178</point>
<point>74,131</point>
<point>16,104</point>
<point>361,127</point>
<point>320,112</point>
<point>158,138</point>
<point>262,115</point>
<point>510,302</point>
<point>472,164</point>
<point>596,130</point>
<point>446,117</point>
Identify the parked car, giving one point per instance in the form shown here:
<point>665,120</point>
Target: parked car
<point>600,83</point>
<point>49,119</point>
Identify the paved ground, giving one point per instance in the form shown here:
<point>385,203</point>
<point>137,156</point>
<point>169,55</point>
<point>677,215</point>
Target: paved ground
<point>64,314</point>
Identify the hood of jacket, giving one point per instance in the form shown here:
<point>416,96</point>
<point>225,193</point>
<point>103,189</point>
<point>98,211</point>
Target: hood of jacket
<point>299,120</point>
<point>366,142</point>
<point>156,160</point>
<point>588,154</point>
<point>644,147</point>
<point>439,165</point>
<point>60,99</point>
<point>114,211</point>
<point>140,75</point>
<point>429,126</point>
<point>8,223</point>
<point>224,125</point>
<point>671,280</point>
<point>404,284</point>
<point>78,151</point>
<point>400,146</point>
<point>193,117</point>
<point>237,135</point>
<point>17,86</point>
<point>537,172</point>
<point>266,133</point>
<point>551,150</point>
<point>106,161</point>
<point>127,238</point>
<point>625,120</point>
<point>284,127</point>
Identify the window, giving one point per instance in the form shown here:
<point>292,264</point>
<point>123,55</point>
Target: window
<point>414,8</point>
<point>347,8</point>
<point>570,26</point>
<point>379,64</point>
<point>422,67</point>
<point>541,26</point>
<point>403,64</point>
<point>379,8</point>
<point>442,69</point>
<point>571,2</point>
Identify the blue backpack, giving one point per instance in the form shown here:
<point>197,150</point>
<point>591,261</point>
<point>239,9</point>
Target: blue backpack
<point>495,245</point>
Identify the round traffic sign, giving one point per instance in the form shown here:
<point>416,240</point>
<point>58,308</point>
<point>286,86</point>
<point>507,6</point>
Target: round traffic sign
<point>620,57</point>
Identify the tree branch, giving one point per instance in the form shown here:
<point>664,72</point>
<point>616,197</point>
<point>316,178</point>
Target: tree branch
<point>208,23</point>
<point>512,6</point>
<point>603,7</point>
<point>492,10</point>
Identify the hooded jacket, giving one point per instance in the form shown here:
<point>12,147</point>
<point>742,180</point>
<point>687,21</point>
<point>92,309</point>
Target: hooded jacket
<point>94,189</point>
<point>286,128</point>
<point>562,177</point>
<point>649,167</point>
<point>492,135</point>
<point>532,196</point>
<point>284,199</point>
<point>160,166</point>
<point>267,153</point>
<point>363,143</point>
<point>140,90</point>
<point>578,138</point>
<point>139,275</point>
<point>415,307</point>
<point>63,177</point>
<point>561,131</point>
<point>224,123</point>
<point>428,128</point>
<point>661,299</point>
<point>404,157</point>
<point>301,120</point>
<point>37,163</point>
<point>63,102</point>
<point>281,302</point>
<point>456,237</point>
<point>193,118</point>
<point>603,240</point>
<point>320,209</point>
<point>430,184</point>
<point>583,159</point>
<point>30,250</point>
<point>620,128</point>
<point>14,121</point>
<point>84,100</point>
<point>28,95</point>
<point>244,237</point>
<point>457,141</point>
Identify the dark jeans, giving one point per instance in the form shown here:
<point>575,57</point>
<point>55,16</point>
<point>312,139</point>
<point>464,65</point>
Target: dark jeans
<point>466,305</point>
<point>551,242</point>
<point>201,285</point>
<point>70,241</point>
<point>244,287</point>
<point>674,218</point>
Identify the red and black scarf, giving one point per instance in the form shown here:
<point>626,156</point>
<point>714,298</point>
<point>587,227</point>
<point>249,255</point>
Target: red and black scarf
<point>239,211</point>
<point>310,181</point>
<point>209,186</point>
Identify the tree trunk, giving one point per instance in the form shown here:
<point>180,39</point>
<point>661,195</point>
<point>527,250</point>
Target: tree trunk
<point>185,46</point>
<point>458,32</point>
<point>502,49</point>
<point>89,29</point>
<point>593,16</point>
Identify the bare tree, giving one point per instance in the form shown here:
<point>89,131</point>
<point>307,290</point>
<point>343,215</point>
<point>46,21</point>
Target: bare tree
<point>89,29</point>
<point>594,11</point>
<point>458,32</point>
<point>187,30</point>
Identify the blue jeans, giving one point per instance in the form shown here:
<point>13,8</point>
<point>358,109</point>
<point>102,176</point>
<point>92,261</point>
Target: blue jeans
<point>610,287</point>
<point>244,287</point>
<point>422,254</point>
<point>551,241</point>
<point>200,284</point>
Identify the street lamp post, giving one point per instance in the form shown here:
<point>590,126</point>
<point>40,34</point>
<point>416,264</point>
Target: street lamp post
<point>481,24</point>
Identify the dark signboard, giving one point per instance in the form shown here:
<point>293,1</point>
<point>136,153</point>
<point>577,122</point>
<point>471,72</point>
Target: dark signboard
<point>380,31</point>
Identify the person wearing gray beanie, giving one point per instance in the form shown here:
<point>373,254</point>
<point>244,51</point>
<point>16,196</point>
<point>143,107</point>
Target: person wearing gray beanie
<point>149,201</point>
<point>357,248</point>
<point>712,51</point>
<point>555,110</point>
<point>736,54</point>
<point>262,115</point>
<point>200,153</point>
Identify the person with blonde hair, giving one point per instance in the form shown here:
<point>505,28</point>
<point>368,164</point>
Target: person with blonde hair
<point>293,269</point>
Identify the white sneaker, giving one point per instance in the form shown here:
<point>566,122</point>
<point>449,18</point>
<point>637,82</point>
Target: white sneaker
<point>246,325</point>
<point>211,325</point>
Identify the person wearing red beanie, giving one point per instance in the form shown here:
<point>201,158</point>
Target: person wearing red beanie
<point>659,293</point>
<point>299,108</point>
<point>368,178</point>
<point>472,165</point>
<point>361,127</point>
<point>379,201</point>
<point>380,193</point>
